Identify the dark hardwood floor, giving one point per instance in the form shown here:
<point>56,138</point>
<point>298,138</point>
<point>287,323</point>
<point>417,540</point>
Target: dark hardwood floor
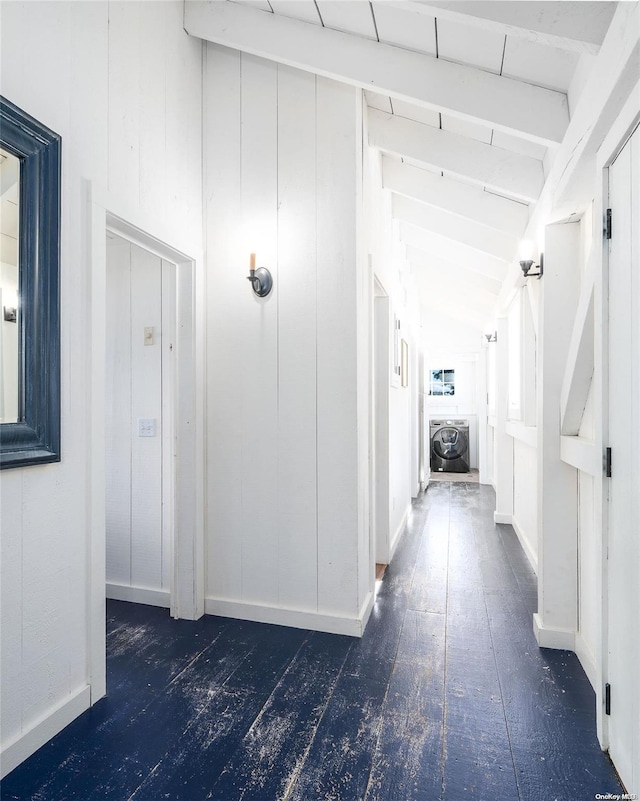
<point>446,697</point>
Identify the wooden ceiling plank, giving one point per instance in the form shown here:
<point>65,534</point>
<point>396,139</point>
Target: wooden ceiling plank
<point>576,26</point>
<point>473,94</point>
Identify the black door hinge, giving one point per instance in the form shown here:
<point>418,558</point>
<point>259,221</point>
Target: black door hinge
<point>607,462</point>
<point>607,699</point>
<point>607,226</point>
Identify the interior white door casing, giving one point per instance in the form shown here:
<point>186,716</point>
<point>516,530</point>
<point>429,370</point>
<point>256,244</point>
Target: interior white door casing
<point>187,564</point>
<point>623,396</point>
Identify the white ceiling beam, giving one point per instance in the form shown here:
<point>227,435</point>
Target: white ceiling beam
<point>509,105</point>
<point>420,259</point>
<point>469,202</point>
<point>501,170</point>
<point>470,233</point>
<point>450,250</point>
<point>576,26</point>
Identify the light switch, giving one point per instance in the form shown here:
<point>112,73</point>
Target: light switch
<point>146,427</point>
<point>148,335</point>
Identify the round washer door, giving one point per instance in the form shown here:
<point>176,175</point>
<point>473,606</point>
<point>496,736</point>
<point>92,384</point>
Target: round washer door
<point>450,443</point>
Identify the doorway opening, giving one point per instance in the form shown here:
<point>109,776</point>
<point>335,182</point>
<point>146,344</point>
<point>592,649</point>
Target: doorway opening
<point>139,425</point>
<point>162,437</point>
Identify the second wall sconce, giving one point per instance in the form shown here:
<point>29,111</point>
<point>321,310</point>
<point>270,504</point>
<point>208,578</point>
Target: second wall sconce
<point>526,263</point>
<point>492,337</point>
<point>261,279</point>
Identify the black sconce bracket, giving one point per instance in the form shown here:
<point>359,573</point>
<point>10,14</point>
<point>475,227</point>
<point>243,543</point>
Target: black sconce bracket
<point>261,281</point>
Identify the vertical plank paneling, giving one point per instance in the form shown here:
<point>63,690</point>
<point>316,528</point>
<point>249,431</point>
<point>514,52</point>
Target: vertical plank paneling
<point>336,348</point>
<point>124,101</point>
<point>183,128</point>
<point>118,425</point>
<point>11,601</point>
<point>226,289</point>
<point>259,320</point>
<point>152,107</point>
<point>146,402</point>
<point>297,521</point>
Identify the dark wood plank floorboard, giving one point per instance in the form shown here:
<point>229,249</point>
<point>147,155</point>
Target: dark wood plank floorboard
<point>446,697</point>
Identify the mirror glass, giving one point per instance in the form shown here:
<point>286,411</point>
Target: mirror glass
<point>9,287</point>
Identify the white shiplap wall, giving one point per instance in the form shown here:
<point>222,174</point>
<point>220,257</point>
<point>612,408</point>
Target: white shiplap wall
<point>121,83</point>
<point>283,512</point>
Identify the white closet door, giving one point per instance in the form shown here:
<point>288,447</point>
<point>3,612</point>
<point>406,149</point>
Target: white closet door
<point>624,439</point>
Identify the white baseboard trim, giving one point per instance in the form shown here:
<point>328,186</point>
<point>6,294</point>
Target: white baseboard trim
<point>139,595</point>
<point>44,729</point>
<point>587,659</point>
<point>501,517</point>
<point>296,618</point>
<point>398,533</point>
<point>560,639</point>
<point>526,545</point>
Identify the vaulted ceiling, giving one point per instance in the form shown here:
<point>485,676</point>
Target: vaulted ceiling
<point>468,103</point>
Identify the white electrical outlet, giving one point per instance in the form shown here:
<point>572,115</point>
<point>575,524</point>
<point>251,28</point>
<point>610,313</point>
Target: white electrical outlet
<point>146,427</point>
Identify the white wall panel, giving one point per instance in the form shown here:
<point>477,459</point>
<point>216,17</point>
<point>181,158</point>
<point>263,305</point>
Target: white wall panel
<point>282,518</point>
<point>227,266</point>
<point>297,321</point>
<point>146,403</point>
<point>337,413</point>
<point>259,339</point>
<point>118,422</point>
<point>89,70</point>
<point>11,496</point>
<point>525,497</point>
<point>588,580</point>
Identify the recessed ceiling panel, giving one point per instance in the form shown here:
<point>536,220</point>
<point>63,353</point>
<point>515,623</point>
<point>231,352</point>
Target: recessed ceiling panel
<point>535,63</point>
<point>469,45</point>
<point>465,128</point>
<point>304,10</point>
<point>426,116</point>
<point>405,29</point>
<point>350,16</point>
<point>381,102</point>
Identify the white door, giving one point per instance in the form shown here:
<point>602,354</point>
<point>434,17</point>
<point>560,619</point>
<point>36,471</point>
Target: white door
<point>624,485</point>
<point>139,424</point>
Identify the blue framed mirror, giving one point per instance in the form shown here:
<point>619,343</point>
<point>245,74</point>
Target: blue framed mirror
<point>29,290</point>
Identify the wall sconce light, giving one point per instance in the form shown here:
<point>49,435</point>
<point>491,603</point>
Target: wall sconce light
<point>261,279</point>
<point>492,337</point>
<point>527,261</point>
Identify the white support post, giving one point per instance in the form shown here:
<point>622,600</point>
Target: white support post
<point>483,411</point>
<point>556,620</point>
<point>503,468</point>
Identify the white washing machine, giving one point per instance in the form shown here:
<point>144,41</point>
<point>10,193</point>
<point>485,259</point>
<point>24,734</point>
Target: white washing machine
<point>449,445</point>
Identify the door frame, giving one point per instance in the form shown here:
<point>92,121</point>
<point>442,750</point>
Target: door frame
<point>380,377</point>
<point>624,125</point>
<point>187,585</point>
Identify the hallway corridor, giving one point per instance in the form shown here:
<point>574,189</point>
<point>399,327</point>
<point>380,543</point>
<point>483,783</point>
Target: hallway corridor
<point>447,695</point>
